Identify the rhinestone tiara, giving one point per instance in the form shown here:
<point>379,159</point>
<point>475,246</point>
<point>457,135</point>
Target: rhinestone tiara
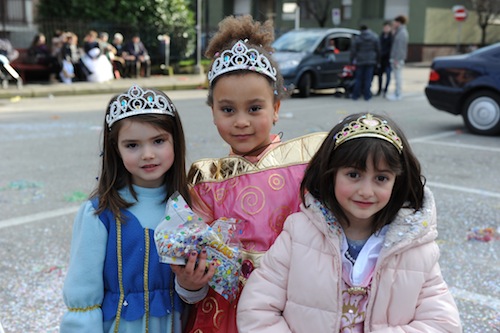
<point>370,127</point>
<point>138,101</point>
<point>240,57</point>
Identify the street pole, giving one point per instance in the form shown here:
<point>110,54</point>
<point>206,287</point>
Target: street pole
<point>199,68</point>
<point>3,7</point>
<point>297,17</point>
<point>459,36</point>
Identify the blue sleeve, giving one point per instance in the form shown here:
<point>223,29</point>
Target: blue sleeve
<point>83,290</point>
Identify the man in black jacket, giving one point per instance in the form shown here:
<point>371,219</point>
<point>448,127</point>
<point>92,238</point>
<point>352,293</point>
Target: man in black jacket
<point>365,55</point>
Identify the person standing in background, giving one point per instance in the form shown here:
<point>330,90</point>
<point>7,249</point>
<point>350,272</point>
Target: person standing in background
<point>119,68</point>
<point>365,55</point>
<point>385,39</point>
<point>399,51</point>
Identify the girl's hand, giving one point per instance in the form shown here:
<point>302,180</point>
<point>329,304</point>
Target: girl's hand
<point>194,275</point>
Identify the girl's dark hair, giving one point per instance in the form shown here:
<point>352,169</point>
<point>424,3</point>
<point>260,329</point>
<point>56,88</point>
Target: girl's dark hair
<point>257,35</point>
<point>319,179</point>
<point>114,176</point>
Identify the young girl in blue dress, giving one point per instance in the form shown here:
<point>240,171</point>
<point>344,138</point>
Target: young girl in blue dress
<point>115,281</point>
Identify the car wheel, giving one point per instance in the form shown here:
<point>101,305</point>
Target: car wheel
<point>304,85</point>
<point>481,113</point>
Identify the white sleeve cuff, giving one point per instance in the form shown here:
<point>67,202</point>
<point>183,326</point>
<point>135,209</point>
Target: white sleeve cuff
<point>189,296</point>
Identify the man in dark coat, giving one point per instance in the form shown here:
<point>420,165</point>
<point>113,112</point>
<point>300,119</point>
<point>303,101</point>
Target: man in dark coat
<point>365,55</point>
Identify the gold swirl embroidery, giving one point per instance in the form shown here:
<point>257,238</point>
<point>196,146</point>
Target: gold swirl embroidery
<point>278,218</point>
<point>86,309</point>
<point>204,189</point>
<point>233,182</point>
<point>252,200</point>
<point>210,304</point>
<point>219,194</point>
<point>276,181</point>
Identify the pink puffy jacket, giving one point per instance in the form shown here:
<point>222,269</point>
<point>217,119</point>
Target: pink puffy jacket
<point>297,288</point>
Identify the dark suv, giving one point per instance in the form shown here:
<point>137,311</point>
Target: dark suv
<point>312,59</point>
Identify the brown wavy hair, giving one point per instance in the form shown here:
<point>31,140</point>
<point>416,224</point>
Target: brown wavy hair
<point>114,176</point>
<point>319,179</point>
<point>257,35</point>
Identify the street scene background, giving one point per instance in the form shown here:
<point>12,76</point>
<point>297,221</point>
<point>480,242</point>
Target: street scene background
<point>50,160</point>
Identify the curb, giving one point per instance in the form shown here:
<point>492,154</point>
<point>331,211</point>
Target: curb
<point>116,86</point>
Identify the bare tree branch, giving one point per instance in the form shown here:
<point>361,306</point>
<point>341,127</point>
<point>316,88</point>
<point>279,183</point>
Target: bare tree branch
<point>487,11</point>
<point>319,9</point>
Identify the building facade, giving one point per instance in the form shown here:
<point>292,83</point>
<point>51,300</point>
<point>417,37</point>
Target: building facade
<point>432,26</point>
<point>18,21</point>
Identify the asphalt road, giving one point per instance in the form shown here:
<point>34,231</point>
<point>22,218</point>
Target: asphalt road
<point>50,158</point>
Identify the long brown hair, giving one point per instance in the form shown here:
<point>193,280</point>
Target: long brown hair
<point>114,176</point>
<point>319,179</point>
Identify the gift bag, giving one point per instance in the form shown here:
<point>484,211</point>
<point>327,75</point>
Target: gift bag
<point>182,231</point>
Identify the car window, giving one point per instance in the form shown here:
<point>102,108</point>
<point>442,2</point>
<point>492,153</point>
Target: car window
<point>338,44</point>
<point>343,43</point>
<point>297,41</point>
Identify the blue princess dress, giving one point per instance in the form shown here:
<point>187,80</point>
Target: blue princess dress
<point>115,281</point>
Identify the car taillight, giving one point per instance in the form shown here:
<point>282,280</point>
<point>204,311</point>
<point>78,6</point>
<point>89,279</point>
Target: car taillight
<point>433,76</point>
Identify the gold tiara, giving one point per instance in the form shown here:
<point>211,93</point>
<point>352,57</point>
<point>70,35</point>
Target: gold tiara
<point>368,126</point>
<point>138,101</point>
<point>240,57</point>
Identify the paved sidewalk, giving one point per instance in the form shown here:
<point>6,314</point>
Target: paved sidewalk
<point>415,77</point>
<point>162,82</point>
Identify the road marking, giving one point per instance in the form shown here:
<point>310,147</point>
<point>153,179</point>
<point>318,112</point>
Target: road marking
<point>433,137</point>
<point>37,217</point>
<point>426,140</point>
<point>483,300</point>
<point>465,189</point>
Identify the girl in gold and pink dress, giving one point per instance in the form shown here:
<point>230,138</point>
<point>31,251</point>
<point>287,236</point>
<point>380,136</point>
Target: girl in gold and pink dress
<point>258,183</point>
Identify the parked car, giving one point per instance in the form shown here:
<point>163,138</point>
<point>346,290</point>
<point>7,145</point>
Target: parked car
<point>311,59</point>
<point>468,85</point>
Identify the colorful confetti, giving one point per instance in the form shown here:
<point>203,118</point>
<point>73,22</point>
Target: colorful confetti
<point>182,233</point>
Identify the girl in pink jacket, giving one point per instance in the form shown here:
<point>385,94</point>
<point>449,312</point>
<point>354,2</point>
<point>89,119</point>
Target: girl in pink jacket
<point>361,254</point>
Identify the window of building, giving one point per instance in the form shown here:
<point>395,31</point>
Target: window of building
<point>372,9</point>
<point>394,8</point>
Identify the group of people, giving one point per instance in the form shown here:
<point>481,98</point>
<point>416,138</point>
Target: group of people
<point>340,227</point>
<point>380,55</point>
<point>95,60</point>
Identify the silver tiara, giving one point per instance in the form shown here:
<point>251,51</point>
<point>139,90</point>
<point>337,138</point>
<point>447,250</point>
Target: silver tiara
<point>240,57</point>
<point>138,101</point>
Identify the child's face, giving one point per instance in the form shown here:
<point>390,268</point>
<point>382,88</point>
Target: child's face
<point>362,194</point>
<point>147,152</point>
<point>244,111</point>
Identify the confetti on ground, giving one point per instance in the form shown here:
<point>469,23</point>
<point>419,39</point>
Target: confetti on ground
<point>483,234</point>
<point>21,185</point>
<point>76,196</point>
